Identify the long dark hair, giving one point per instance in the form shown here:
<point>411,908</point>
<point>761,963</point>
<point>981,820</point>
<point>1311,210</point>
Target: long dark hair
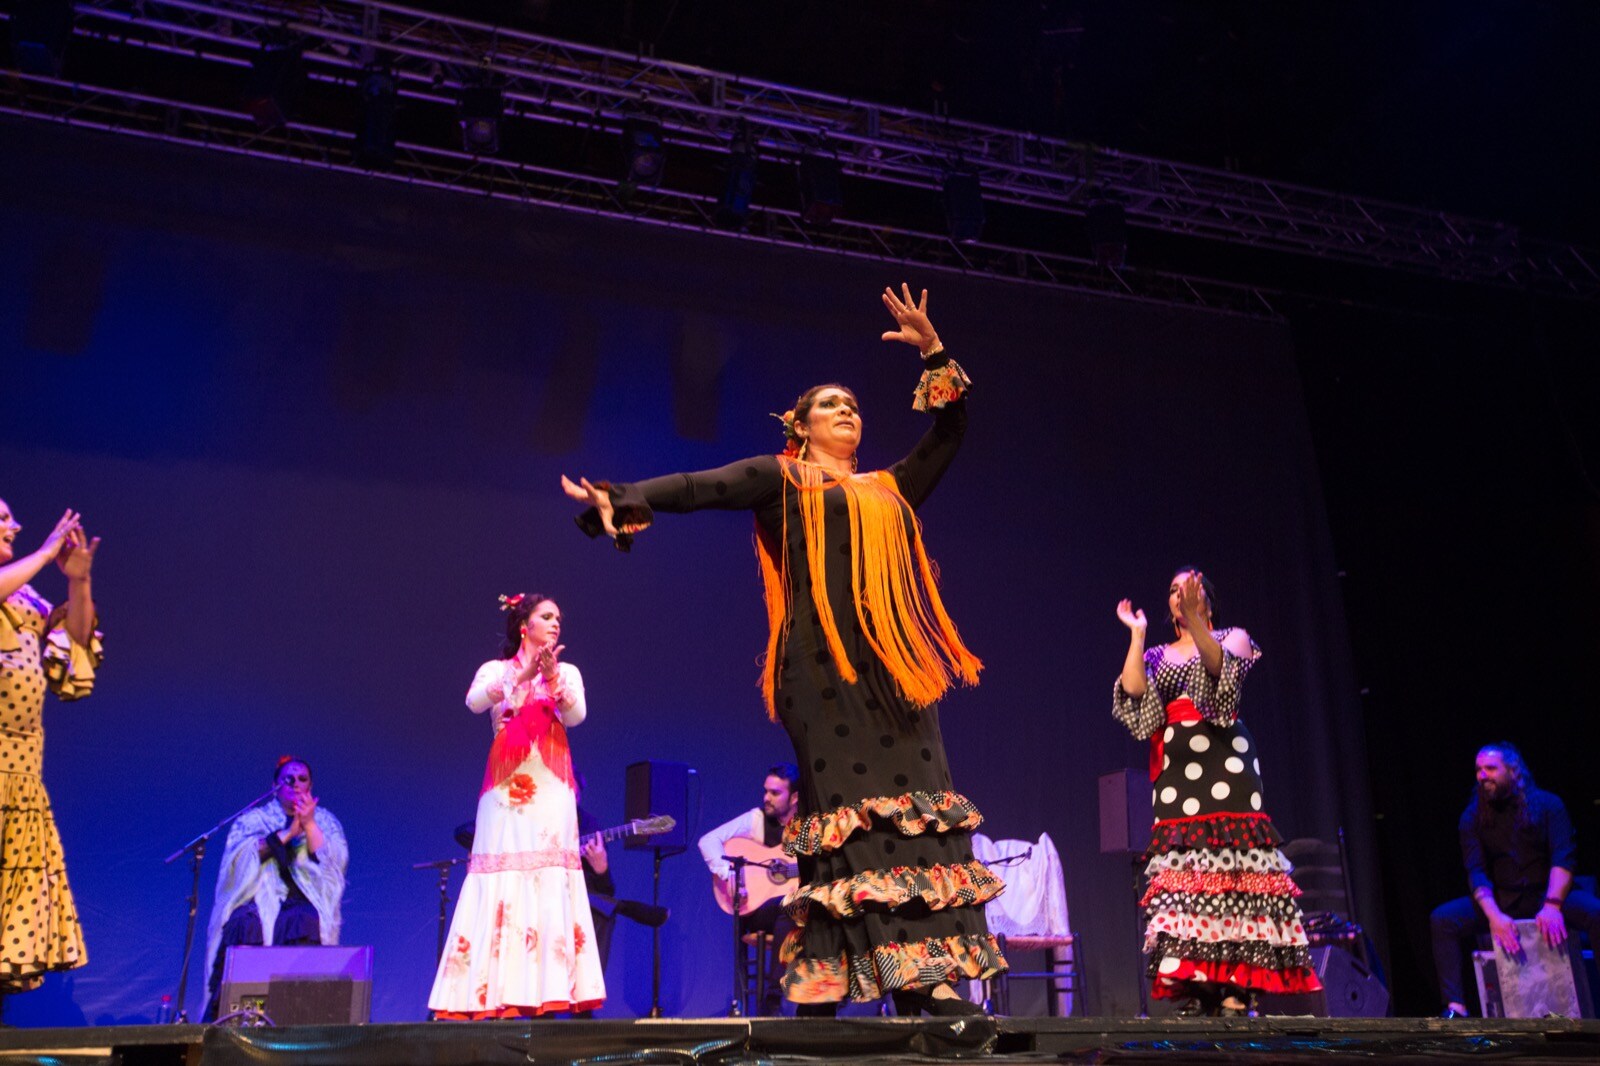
<point>1521,782</point>
<point>516,617</point>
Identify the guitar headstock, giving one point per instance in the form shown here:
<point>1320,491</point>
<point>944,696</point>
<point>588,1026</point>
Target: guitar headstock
<point>651,826</point>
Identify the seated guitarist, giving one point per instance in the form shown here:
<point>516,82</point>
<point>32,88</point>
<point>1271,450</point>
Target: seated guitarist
<point>764,825</point>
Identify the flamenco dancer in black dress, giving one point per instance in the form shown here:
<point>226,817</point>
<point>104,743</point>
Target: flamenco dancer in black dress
<point>1221,922</point>
<point>860,650</point>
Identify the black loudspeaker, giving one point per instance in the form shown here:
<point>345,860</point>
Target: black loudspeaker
<point>1349,989</point>
<point>306,985</point>
<point>1126,812</point>
<point>659,788</point>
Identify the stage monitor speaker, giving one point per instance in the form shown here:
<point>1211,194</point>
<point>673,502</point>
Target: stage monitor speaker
<point>659,788</point>
<point>1349,989</point>
<point>305,985</point>
<point>1125,812</point>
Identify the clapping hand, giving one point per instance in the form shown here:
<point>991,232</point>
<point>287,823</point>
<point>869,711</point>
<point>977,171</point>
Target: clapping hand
<point>1131,618</point>
<point>912,317</point>
<point>76,554</point>
<point>60,537</point>
<point>1192,600</point>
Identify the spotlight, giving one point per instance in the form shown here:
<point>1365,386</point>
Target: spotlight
<point>273,85</point>
<point>1106,224</point>
<point>739,184</point>
<point>821,192</point>
<point>480,111</point>
<point>963,206</point>
<point>643,150</point>
<point>40,30</point>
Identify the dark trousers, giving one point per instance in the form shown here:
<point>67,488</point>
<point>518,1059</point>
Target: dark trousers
<point>297,923</point>
<point>1457,925</point>
<point>771,918</point>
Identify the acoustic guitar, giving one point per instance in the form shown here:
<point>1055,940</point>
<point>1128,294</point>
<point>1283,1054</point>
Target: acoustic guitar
<point>770,875</point>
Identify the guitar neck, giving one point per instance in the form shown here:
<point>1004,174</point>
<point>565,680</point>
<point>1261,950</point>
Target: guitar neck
<point>616,832</point>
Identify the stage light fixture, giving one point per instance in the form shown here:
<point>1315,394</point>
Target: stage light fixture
<point>40,30</point>
<point>963,206</point>
<point>821,189</point>
<point>643,150</point>
<point>273,85</point>
<point>480,109</point>
<point>738,184</point>
<point>375,132</point>
<point>1106,224</point>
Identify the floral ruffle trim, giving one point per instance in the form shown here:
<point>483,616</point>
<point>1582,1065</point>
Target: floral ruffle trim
<point>508,1012</point>
<point>889,968</point>
<point>1239,832</point>
<point>69,667</point>
<point>524,861</point>
<point>940,385</point>
<point>966,884</point>
<point>913,813</point>
<point>1220,883</point>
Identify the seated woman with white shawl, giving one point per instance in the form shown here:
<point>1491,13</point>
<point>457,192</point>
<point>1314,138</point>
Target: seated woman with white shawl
<point>282,876</point>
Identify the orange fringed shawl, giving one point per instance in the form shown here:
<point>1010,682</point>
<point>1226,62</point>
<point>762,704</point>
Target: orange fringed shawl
<point>896,595</point>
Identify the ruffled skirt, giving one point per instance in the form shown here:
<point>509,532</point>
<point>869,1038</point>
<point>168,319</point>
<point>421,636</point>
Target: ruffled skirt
<point>522,941</point>
<point>39,919</point>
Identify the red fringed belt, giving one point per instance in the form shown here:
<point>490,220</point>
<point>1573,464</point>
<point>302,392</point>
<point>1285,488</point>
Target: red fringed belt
<point>1181,709</point>
<point>536,723</point>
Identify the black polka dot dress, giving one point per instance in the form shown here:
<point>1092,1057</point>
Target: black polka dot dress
<point>890,896</point>
<point>1220,904</point>
<point>38,918</point>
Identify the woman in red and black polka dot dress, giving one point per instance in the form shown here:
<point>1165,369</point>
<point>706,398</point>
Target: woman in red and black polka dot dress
<point>1221,921</point>
<point>859,651</point>
<point>40,647</point>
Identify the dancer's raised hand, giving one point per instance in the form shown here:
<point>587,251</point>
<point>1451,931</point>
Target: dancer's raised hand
<point>912,317</point>
<point>1131,618</point>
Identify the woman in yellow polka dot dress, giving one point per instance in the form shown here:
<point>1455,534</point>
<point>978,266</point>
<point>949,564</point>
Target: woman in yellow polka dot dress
<point>1221,921</point>
<point>40,647</point>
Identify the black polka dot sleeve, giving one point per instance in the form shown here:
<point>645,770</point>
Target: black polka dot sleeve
<point>1217,698</point>
<point>746,485</point>
<point>1145,714</point>
<point>918,473</point>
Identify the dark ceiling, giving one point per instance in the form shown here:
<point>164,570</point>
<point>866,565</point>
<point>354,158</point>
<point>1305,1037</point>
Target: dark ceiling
<point>1478,107</point>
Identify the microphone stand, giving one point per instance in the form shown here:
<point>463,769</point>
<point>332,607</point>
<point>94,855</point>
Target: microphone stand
<point>443,866</point>
<point>197,852</point>
<point>740,988</point>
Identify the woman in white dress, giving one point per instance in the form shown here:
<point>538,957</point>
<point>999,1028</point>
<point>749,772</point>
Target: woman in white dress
<point>522,940</point>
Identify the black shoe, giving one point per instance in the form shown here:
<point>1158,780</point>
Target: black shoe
<point>911,1004</point>
<point>816,1010</point>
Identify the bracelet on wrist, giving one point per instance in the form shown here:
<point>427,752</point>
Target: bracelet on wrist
<point>1553,902</point>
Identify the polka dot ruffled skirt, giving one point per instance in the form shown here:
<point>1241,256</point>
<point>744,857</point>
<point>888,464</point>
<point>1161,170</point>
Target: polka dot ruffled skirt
<point>1220,906</point>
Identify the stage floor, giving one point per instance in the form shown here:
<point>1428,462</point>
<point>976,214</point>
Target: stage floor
<point>717,1041</point>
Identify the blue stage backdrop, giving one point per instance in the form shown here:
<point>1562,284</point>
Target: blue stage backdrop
<point>319,422</point>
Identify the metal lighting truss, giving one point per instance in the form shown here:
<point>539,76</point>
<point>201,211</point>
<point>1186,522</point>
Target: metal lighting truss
<point>549,80</point>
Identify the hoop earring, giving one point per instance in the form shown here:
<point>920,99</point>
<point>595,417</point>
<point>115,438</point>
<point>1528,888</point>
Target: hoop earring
<point>855,463</point>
